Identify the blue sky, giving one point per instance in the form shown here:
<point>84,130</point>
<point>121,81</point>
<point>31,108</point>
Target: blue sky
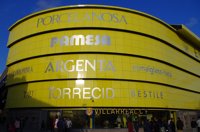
<point>170,11</point>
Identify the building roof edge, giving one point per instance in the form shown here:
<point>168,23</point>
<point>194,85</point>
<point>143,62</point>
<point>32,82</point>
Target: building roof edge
<point>187,34</point>
<point>88,6</point>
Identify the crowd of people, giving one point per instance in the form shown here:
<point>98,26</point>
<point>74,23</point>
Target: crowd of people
<point>15,126</point>
<point>64,124</point>
<point>157,125</point>
<point>141,125</point>
<point>153,125</point>
<point>58,125</point>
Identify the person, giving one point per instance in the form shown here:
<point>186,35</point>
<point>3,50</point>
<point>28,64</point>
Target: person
<point>171,125</point>
<point>106,124</point>
<point>83,125</point>
<point>147,126</point>
<point>55,126</point>
<point>61,125</point>
<point>11,127</point>
<point>124,121</point>
<point>154,124</point>
<point>141,126</point>
<point>43,126</point>
<point>198,124</point>
<point>17,125</point>
<point>193,125</point>
<point>130,126</point>
<point>119,121</point>
<point>179,125</point>
<point>68,123</point>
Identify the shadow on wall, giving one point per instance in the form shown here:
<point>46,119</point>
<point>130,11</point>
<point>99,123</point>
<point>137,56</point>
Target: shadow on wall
<point>22,104</point>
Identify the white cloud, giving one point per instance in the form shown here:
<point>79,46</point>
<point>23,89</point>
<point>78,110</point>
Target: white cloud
<point>192,22</point>
<point>45,4</point>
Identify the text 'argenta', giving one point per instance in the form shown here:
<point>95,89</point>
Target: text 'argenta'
<point>80,65</point>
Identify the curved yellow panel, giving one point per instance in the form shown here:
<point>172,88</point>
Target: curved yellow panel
<point>99,93</point>
<point>100,41</point>
<point>96,56</point>
<point>100,66</point>
<point>98,18</point>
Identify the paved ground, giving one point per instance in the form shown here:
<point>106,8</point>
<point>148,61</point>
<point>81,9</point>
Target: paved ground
<point>3,129</point>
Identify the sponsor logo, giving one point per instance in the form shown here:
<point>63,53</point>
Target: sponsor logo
<point>75,17</point>
<point>81,93</point>
<point>80,65</point>
<point>80,40</point>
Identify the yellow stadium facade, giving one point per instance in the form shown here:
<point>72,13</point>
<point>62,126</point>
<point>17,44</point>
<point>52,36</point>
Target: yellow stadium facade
<point>101,62</point>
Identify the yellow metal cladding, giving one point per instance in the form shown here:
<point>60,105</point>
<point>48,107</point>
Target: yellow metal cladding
<point>120,42</point>
<point>100,56</point>
<point>100,66</point>
<point>91,17</point>
<point>97,93</point>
